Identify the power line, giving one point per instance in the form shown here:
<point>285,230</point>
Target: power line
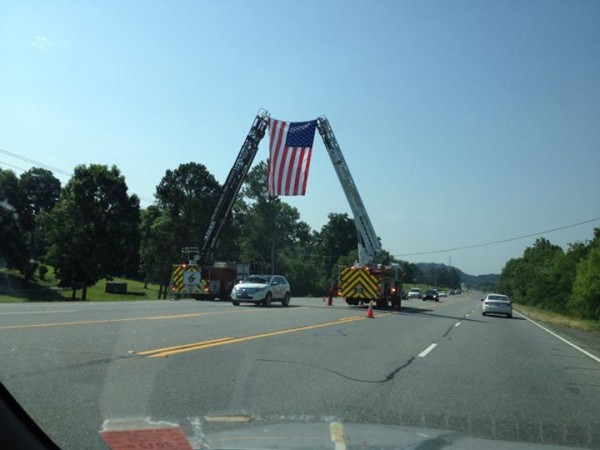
<point>48,167</point>
<point>37,163</point>
<point>501,241</point>
<point>12,167</point>
<point>431,252</point>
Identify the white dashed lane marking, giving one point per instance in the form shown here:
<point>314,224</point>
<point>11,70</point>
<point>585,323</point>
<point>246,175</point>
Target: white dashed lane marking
<point>425,352</point>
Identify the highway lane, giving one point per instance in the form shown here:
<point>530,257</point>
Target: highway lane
<point>74,365</point>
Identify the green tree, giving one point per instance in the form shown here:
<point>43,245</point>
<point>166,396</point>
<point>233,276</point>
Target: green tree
<point>585,297</point>
<point>412,272</point>
<point>350,258</point>
<point>451,277</point>
<point>543,276</point>
<point>188,195</point>
<point>42,271</point>
<point>93,229</point>
<point>336,239</point>
<point>442,275</point>
<point>298,265</point>
<point>269,225</point>
<point>13,242</point>
<point>541,268</point>
<point>512,283</point>
<point>156,248</point>
<point>40,190</point>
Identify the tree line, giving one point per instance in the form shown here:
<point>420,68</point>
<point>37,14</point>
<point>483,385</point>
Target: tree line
<point>93,229</point>
<point>435,274</point>
<point>548,277</point>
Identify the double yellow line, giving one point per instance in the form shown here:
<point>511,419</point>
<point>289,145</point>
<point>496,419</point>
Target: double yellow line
<point>169,351</point>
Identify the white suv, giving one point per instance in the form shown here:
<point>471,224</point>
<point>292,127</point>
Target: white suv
<point>262,289</point>
<point>415,293</point>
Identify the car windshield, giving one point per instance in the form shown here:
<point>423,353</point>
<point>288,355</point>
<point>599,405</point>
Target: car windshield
<point>263,279</point>
<point>344,223</point>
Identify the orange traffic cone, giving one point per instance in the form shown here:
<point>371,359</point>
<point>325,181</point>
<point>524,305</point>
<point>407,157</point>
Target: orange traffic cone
<point>370,310</point>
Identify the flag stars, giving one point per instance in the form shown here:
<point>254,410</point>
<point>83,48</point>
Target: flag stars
<point>301,134</point>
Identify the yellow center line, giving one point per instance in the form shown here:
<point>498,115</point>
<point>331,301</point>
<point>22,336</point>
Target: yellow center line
<point>127,319</point>
<point>158,350</point>
<point>163,353</point>
<point>343,319</point>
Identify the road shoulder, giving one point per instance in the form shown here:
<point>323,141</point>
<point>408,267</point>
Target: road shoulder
<point>587,340</point>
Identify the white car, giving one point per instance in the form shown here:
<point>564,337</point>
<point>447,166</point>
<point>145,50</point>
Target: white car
<point>414,293</point>
<point>262,289</point>
<point>496,304</point>
<point>442,294</point>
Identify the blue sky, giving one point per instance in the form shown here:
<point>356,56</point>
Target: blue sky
<point>462,122</point>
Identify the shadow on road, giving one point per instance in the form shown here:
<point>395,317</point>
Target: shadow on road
<point>419,312</point>
<point>273,306</point>
<point>498,316</point>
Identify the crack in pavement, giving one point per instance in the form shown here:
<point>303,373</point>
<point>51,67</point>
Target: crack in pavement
<point>388,377</point>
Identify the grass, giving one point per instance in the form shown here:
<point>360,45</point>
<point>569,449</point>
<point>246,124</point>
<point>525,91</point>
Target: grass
<point>553,318</point>
<point>13,289</point>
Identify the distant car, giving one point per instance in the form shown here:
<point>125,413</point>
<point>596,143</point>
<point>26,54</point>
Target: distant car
<point>262,289</point>
<point>431,294</point>
<point>414,293</point>
<point>496,304</point>
<point>442,294</point>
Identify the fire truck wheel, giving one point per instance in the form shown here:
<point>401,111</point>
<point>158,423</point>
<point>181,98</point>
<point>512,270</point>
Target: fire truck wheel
<point>267,301</point>
<point>286,300</point>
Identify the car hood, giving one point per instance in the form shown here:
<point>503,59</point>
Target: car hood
<point>302,432</point>
<point>250,285</point>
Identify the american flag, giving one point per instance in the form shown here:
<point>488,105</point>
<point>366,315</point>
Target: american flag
<point>290,150</point>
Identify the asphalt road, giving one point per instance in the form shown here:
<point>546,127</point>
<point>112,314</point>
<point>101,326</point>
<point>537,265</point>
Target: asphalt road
<point>432,365</point>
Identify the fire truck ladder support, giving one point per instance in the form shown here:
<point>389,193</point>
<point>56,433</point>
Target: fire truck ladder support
<point>232,187</point>
<point>369,247</point>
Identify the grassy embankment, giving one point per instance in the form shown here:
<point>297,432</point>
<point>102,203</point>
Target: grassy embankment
<point>13,289</point>
<point>553,318</point>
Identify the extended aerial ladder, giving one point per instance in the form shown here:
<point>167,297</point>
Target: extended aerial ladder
<point>369,247</point>
<point>366,280</point>
<point>212,282</point>
<point>232,187</point>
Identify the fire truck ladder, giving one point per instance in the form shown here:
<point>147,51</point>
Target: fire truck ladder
<point>369,247</point>
<point>231,188</point>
